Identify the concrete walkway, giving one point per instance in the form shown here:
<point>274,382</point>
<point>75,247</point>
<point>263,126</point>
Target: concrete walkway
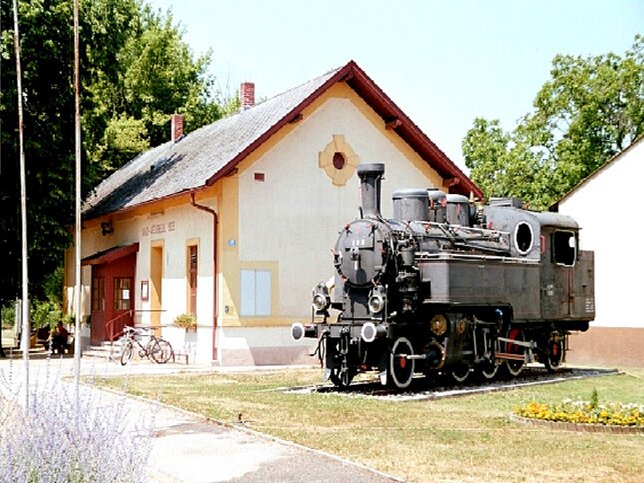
<point>188,448</point>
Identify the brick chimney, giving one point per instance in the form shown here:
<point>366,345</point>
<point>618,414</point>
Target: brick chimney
<point>176,127</point>
<point>247,95</point>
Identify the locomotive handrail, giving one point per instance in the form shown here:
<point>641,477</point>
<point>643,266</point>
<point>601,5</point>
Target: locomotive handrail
<point>421,256</point>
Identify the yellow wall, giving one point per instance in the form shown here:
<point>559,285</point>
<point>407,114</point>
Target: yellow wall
<point>289,222</point>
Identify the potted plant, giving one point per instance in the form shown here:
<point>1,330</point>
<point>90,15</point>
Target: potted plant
<point>186,321</point>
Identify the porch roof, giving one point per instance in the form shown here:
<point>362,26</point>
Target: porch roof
<point>111,254</point>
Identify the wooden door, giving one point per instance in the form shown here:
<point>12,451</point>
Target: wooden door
<point>115,303</point>
<point>98,304</point>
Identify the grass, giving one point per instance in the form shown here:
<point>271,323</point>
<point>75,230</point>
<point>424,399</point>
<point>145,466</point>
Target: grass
<point>461,439</point>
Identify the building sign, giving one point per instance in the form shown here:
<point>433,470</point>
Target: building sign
<point>159,228</point>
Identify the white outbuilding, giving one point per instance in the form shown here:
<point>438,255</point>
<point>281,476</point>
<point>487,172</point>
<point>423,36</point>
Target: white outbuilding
<point>608,205</point>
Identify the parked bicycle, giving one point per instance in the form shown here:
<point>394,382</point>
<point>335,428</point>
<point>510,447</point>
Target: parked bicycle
<point>157,349</point>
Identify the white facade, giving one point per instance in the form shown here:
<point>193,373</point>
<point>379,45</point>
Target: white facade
<point>607,206</point>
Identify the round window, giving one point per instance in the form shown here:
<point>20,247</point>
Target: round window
<point>338,160</point>
<point>523,237</point>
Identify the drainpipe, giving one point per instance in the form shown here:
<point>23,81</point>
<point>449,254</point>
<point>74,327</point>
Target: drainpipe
<point>215,309</point>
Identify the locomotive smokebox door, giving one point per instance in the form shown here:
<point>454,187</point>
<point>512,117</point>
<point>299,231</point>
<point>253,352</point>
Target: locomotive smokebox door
<point>364,255</point>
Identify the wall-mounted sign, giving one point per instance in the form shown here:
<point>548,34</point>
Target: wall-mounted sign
<point>158,228</point>
<point>145,289</point>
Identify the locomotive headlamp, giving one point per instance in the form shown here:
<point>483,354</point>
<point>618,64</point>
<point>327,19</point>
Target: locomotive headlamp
<point>321,300</point>
<point>377,299</point>
<point>376,303</point>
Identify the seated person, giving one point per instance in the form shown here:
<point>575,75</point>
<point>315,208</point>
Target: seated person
<point>43,336</point>
<point>59,338</point>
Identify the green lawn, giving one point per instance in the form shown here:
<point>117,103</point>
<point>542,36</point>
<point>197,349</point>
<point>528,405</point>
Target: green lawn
<point>464,439</point>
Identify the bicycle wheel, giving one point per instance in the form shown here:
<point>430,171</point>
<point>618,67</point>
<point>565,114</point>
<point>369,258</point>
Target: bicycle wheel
<point>164,352</point>
<point>127,350</point>
<point>152,347</point>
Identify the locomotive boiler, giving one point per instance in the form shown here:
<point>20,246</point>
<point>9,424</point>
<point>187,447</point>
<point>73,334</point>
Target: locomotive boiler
<point>449,286</point>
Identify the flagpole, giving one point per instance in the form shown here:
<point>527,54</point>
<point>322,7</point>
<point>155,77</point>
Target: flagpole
<point>26,326</point>
<point>79,286</point>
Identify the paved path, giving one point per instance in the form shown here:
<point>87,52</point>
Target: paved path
<point>188,448</point>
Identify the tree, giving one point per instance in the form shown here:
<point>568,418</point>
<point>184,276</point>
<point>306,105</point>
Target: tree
<point>136,71</point>
<point>588,111</point>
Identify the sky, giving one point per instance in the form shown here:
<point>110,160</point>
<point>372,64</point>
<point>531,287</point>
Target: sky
<point>444,63</point>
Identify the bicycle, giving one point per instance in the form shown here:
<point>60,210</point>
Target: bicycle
<point>157,349</point>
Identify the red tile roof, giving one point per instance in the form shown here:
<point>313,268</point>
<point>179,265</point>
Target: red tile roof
<point>211,152</point>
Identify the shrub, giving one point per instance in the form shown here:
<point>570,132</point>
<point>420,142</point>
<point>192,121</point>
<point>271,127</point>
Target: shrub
<point>45,313</point>
<point>61,438</point>
<point>8,314</point>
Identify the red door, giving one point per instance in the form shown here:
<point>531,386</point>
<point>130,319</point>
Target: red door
<point>112,297</point>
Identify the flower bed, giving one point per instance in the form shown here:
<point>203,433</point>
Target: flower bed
<point>585,412</point>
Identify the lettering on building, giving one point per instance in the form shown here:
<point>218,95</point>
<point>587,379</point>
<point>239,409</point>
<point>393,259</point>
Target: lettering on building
<point>158,228</point>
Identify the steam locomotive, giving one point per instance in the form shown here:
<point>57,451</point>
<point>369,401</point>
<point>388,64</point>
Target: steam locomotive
<point>449,286</point>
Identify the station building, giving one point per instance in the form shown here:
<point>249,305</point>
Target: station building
<point>234,222</point>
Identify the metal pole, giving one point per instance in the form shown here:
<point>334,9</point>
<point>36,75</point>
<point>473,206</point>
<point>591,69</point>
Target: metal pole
<point>26,326</point>
<point>79,287</point>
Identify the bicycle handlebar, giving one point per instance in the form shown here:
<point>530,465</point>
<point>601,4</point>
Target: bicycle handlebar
<point>129,330</point>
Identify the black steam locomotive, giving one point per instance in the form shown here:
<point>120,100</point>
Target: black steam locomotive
<point>449,287</point>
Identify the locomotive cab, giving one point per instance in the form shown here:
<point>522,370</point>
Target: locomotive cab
<point>567,291</point>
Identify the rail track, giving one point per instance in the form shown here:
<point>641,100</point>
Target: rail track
<point>443,387</point>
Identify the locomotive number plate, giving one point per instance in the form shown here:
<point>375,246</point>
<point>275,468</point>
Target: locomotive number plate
<point>366,242</point>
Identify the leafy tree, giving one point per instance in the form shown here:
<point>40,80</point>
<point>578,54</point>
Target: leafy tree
<point>588,111</point>
<point>136,71</point>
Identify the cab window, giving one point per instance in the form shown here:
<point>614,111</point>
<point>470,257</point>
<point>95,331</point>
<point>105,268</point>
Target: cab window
<point>564,248</point>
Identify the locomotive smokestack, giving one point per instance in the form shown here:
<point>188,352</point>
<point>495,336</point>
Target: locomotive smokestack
<point>370,176</point>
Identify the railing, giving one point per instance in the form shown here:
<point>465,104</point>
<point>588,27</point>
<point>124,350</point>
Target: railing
<point>109,325</point>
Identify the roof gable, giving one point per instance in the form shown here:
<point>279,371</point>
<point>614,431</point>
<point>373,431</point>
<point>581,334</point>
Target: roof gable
<point>213,151</point>
<point>637,144</point>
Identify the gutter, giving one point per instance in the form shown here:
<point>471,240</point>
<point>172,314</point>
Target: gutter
<point>215,305</point>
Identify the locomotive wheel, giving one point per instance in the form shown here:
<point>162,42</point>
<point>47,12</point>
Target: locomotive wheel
<point>460,372</point>
<point>514,367</point>
<point>488,369</point>
<point>554,354</point>
<point>341,378</point>
<point>401,370</point>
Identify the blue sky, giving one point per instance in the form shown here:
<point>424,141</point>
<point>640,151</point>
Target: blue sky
<point>442,62</point>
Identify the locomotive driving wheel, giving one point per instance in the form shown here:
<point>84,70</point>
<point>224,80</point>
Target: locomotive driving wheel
<point>460,372</point>
<point>554,353</point>
<point>401,369</point>
<point>488,369</point>
<point>515,366</point>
